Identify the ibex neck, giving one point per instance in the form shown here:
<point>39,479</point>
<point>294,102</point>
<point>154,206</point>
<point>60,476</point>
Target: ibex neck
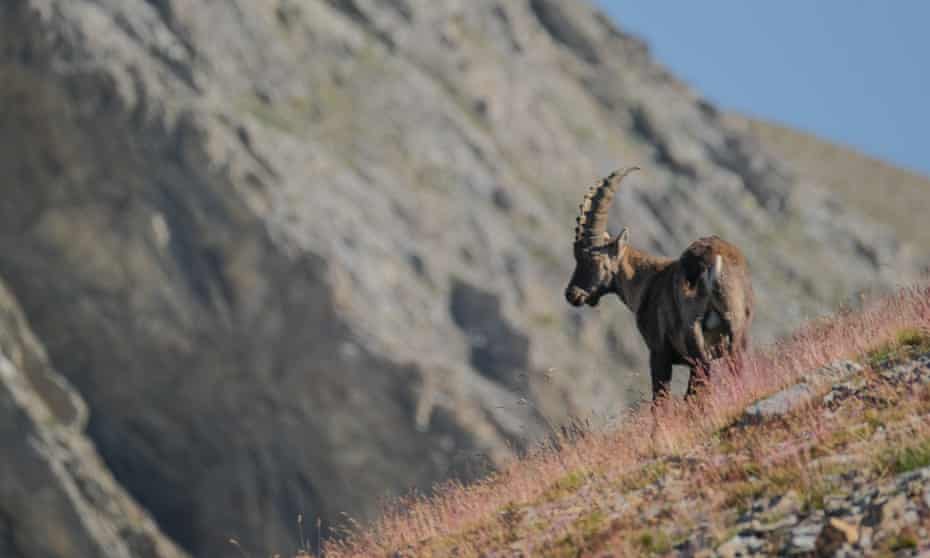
<point>636,271</point>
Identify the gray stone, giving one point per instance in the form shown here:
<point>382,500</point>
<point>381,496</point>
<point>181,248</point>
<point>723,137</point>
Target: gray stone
<point>913,371</point>
<point>802,543</point>
<point>803,538</point>
<point>740,546</point>
<point>844,390</point>
<point>779,404</point>
<point>865,537</point>
<point>802,393</point>
<point>787,503</point>
<point>891,514</point>
<point>776,524</point>
<point>837,372</point>
<point>836,535</point>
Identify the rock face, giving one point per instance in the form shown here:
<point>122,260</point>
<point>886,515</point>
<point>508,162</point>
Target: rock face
<point>300,255</point>
<point>56,496</point>
<point>894,196</point>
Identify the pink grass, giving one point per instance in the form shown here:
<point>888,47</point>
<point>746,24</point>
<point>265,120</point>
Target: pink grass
<point>645,434</point>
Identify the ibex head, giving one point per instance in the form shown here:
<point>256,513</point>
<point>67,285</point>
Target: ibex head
<point>597,255</point>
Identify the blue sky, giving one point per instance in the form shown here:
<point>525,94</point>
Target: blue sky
<point>854,72</point>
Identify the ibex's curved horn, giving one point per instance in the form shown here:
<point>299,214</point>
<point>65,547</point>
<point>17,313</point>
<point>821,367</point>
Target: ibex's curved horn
<point>592,222</point>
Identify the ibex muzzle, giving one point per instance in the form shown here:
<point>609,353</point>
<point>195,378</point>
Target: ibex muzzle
<point>689,311</point>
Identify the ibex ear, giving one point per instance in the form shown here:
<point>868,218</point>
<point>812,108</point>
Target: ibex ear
<point>623,237</point>
<point>619,242</point>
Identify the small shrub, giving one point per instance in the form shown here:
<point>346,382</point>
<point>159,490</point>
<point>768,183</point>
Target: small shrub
<point>874,420</point>
<point>510,518</point>
<point>815,496</point>
<point>741,494</point>
<point>589,525</point>
<point>879,356</point>
<point>582,535</point>
<point>911,458</point>
<point>649,474</point>
<point>657,542</point>
<point>905,540</point>
<point>752,470</point>
<point>785,478</point>
<point>914,339</point>
<point>565,485</point>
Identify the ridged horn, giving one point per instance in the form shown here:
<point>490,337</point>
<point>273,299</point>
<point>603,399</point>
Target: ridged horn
<point>592,221</point>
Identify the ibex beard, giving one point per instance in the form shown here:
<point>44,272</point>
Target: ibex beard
<point>690,311</point>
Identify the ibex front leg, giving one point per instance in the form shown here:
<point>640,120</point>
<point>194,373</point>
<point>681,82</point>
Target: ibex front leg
<point>660,364</point>
<point>699,361</point>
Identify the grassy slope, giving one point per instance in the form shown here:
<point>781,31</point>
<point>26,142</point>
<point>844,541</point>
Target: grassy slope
<point>877,189</point>
<point>646,485</point>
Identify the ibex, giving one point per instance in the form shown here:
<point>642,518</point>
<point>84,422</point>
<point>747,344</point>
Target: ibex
<point>689,310</point>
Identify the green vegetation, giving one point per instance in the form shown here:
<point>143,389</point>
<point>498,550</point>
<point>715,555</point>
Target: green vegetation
<point>510,518</point>
<point>908,342</point>
<point>851,435</point>
<point>905,540</point>
<point>565,485</point>
<point>910,458</point>
<point>591,524</point>
<point>815,495</point>
<point>915,339</point>
<point>582,536</point>
<point>740,494</point>
<point>873,420</point>
<point>655,542</point>
<point>650,473</point>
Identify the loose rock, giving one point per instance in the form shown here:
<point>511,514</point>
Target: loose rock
<point>835,534</point>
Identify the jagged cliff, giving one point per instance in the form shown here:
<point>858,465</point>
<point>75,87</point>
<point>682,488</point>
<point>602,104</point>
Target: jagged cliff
<point>56,496</point>
<point>300,255</point>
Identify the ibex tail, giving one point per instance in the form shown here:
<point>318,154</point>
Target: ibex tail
<point>712,275</point>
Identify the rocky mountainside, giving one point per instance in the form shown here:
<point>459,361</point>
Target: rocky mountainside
<point>882,192</point>
<point>300,255</point>
<point>56,496</point>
